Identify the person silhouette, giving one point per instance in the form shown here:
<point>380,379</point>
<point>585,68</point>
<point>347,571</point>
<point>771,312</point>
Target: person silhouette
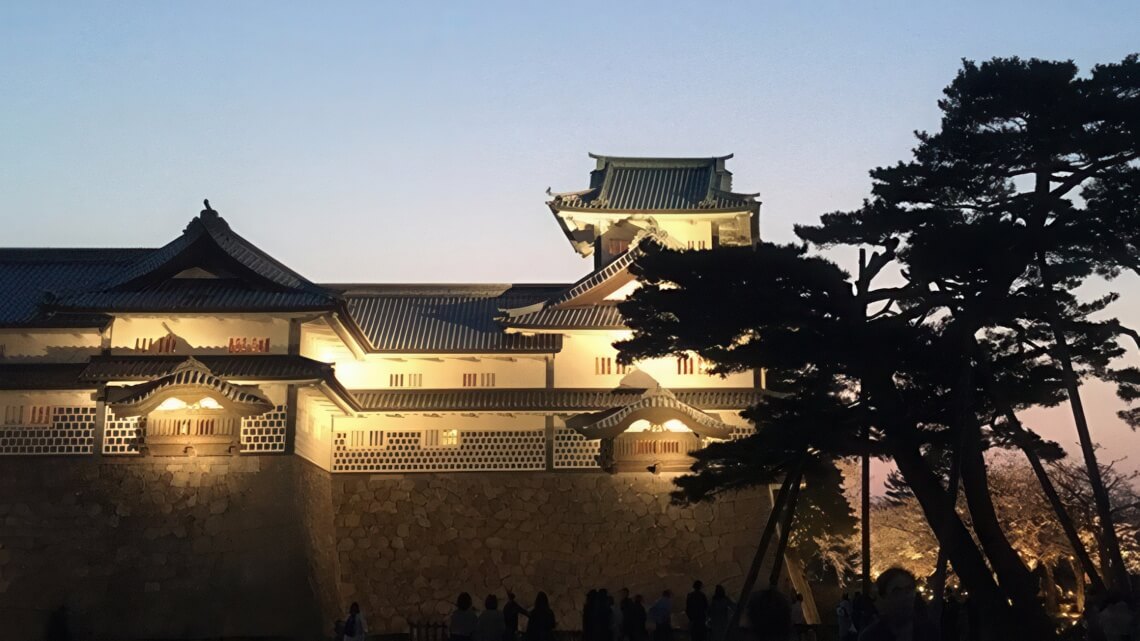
<point>720,614</point>
<point>355,628</point>
<point>661,614</point>
<point>900,619</point>
<point>490,625</point>
<point>463,619</point>
<point>511,613</point>
<point>697,611</point>
<point>540,625</point>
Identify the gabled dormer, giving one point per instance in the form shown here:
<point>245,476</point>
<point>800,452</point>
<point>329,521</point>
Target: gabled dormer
<point>690,198</point>
<point>590,303</point>
<point>209,268</point>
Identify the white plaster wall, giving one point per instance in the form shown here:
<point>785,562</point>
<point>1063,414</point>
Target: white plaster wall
<point>69,399</point>
<point>319,342</point>
<point>49,346</point>
<point>442,372</point>
<point>277,394</point>
<point>574,366</point>
<point>684,231</point>
<point>199,334</point>
<point>443,421</point>
<point>313,439</point>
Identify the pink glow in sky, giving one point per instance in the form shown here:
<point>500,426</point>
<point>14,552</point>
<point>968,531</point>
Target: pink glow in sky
<point>413,142</point>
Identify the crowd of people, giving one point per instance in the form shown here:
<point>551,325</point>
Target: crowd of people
<point>605,617</point>
<point>897,613</point>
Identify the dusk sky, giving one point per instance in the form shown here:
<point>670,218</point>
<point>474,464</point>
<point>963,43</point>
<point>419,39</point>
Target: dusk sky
<point>414,141</point>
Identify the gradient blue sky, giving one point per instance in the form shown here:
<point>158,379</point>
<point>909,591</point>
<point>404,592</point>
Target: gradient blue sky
<point>413,141</point>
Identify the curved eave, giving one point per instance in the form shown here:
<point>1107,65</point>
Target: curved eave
<point>151,309</point>
<point>523,328</point>
<point>98,322</point>
<point>751,207</point>
<point>677,159</point>
<point>609,424</point>
<point>656,409</point>
<point>248,405</point>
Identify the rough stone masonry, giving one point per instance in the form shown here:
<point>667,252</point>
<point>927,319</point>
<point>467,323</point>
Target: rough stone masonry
<point>263,545</point>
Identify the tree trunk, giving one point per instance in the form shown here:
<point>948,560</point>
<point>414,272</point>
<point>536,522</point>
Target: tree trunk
<point>1079,578</point>
<point>1015,579</point>
<point>938,583</point>
<point>862,285</point>
<point>865,522</point>
<point>793,477</point>
<point>1028,620</point>
<point>1022,437</point>
<point>1117,574</point>
<point>786,524</point>
<point>1052,599</point>
<point>1064,519</point>
<point>953,537</point>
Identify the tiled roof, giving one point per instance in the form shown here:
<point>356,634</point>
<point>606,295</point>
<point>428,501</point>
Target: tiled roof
<point>247,366</point>
<point>249,278</point>
<point>598,278</point>
<point>199,295</point>
<point>541,399</point>
<point>564,311</point>
<point>611,423</point>
<point>211,230</point>
<point>446,318</point>
<point>189,373</point>
<point>603,316</point>
<point>657,184</point>
<point>42,376</point>
<point>47,287</point>
<point>28,275</point>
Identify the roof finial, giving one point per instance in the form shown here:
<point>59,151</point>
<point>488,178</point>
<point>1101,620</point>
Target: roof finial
<point>208,212</point>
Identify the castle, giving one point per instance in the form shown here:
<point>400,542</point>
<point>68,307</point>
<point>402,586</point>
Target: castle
<point>198,440</point>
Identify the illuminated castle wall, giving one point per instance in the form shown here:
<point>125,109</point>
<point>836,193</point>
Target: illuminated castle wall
<point>200,413</point>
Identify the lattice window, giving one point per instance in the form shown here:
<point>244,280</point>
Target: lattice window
<point>69,430</point>
<point>574,451</point>
<point>603,365</point>
<point>121,435</point>
<point>698,244</point>
<point>691,364</point>
<point>409,451</point>
<point>440,438</point>
<point>365,440</point>
<point>28,415</point>
<point>621,368</point>
<point>248,344</point>
<point>264,433</point>
<point>406,380</point>
<point>485,379</point>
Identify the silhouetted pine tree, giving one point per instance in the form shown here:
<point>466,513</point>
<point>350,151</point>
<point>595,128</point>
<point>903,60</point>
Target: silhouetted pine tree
<point>993,233</point>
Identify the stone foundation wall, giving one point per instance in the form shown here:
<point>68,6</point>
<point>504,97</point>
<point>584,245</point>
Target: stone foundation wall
<point>153,548</point>
<point>314,500</point>
<point>407,546</point>
<point>209,547</point>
